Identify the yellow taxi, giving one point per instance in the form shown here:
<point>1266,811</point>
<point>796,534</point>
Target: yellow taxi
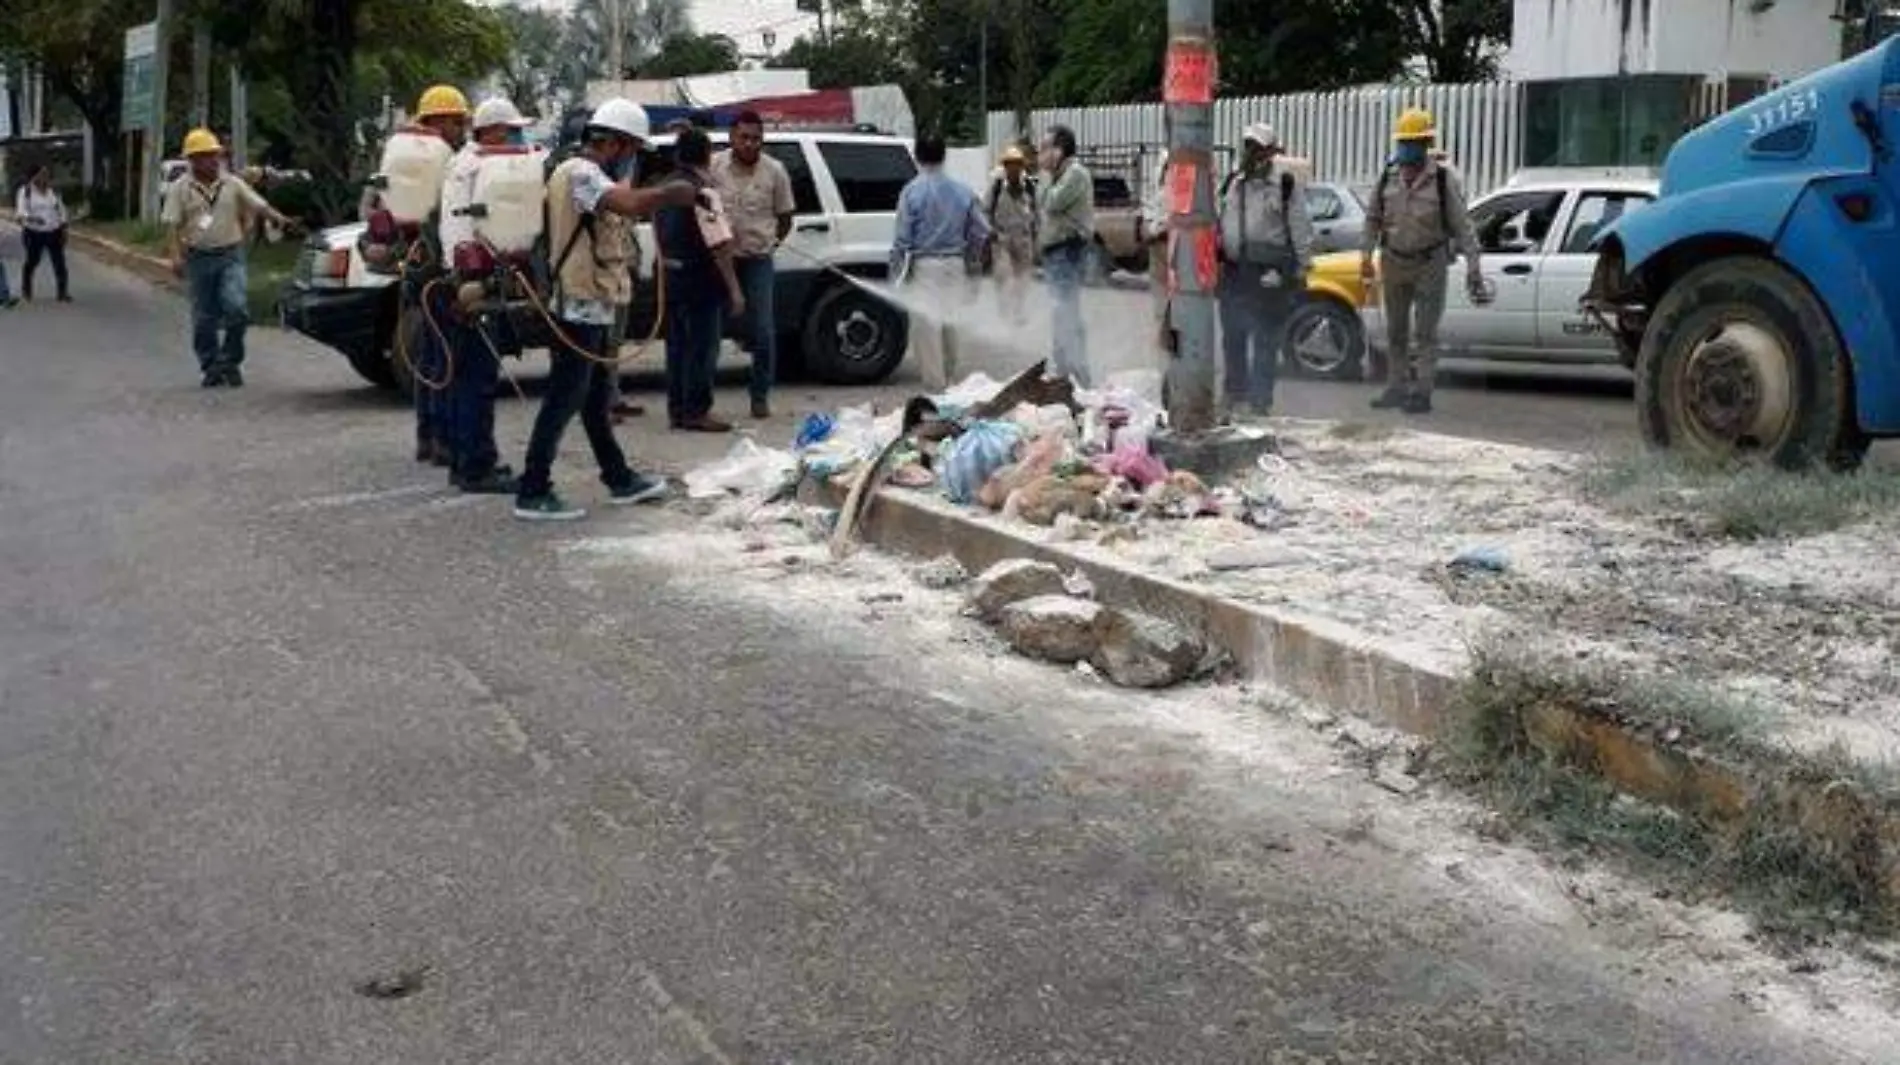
<point>1325,336</point>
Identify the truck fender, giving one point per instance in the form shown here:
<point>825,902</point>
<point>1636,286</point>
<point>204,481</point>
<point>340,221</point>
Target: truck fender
<point>1851,267</point>
<point>1755,209</point>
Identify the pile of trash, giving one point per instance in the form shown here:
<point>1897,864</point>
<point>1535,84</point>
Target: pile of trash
<point>1035,448</point>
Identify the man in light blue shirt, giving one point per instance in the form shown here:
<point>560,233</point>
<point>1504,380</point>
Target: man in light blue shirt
<point>941,231</point>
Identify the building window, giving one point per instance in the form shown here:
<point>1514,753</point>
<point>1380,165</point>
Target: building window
<point>1631,121</point>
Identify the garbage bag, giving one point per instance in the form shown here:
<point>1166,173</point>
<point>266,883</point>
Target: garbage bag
<point>747,469</point>
<point>968,460</point>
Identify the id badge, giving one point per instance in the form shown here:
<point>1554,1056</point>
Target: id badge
<point>204,223</point>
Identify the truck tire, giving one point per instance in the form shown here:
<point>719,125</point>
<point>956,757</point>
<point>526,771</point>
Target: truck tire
<point>373,366</point>
<point>852,338</point>
<point>1741,361</point>
<point>1326,340</point>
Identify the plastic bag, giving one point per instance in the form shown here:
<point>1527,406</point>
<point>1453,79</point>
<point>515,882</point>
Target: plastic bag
<point>747,469</point>
<point>968,460</point>
<point>1132,463</point>
<point>856,434</point>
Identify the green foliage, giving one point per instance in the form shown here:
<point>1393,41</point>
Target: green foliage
<point>540,72</point>
<point>684,55</point>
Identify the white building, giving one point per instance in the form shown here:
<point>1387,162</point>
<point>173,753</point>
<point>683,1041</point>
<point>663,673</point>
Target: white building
<point>1616,82</point>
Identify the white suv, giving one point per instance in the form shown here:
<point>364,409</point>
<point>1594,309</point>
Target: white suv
<point>846,187</point>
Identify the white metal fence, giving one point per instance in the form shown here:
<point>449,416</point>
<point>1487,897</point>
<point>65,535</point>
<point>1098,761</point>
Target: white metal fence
<point>1346,134</point>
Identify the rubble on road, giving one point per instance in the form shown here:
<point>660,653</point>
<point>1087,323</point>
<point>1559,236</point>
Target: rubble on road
<point>1425,544</point>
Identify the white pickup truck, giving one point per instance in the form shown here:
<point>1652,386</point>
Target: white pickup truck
<point>846,187</point>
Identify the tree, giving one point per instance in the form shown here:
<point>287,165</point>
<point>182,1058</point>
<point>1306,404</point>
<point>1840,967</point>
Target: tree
<point>1460,40</point>
<point>644,26</point>
<point>684,55</point>
<point>79,46</point>
<point>540,74</point>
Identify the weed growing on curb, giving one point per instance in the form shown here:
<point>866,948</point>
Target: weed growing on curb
<point>1738,501</point>
<point>1794,879</point>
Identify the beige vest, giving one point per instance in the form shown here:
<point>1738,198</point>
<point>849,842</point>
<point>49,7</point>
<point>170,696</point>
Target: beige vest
<point>596,268</point>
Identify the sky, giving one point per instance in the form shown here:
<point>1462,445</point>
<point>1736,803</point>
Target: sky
<point>743,20</point>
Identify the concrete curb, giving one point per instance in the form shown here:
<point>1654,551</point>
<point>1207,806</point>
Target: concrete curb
<point>147,267</point>
<point>1348,672</point>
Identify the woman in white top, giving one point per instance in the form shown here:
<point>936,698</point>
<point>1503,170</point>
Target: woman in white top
<point>43,216</point>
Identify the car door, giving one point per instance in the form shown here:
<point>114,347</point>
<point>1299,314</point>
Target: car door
<point>865,178</point>
<point>1512,229</point>
<point>813,239</point>
<point>1564,332</point>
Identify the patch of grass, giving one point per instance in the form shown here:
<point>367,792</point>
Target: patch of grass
<point>1792,880</point>
<point>148,236</point>
<point>1739,501</point>
<point>269,266</point>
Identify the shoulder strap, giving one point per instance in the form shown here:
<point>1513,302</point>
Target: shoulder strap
<point>1228,181</point>
<point>1286,193</point>
<point>996,193</point>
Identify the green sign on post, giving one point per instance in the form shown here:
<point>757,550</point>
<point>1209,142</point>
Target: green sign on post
<point>141,51</point>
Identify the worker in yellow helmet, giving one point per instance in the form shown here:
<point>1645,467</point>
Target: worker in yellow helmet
<point>1418,224</point>
<point>208,211</point>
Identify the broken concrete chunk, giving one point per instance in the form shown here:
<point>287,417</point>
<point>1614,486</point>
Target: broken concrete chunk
<point>1012,581</point>
<point>1055,628</point>
<point>1139,651</point>
<point>943,571</point>
<point>1252,556</point>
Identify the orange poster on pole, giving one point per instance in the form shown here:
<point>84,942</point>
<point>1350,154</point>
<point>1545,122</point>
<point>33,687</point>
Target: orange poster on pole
<point>1207,258</point>
<point>1190,73</point>
<point>1181,178</point>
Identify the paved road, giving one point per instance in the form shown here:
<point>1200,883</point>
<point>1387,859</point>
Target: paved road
<point>282,716</point>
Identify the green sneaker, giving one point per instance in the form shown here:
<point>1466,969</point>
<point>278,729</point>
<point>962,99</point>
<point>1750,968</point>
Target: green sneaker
<point>641,489</point>
<point>547,507</point>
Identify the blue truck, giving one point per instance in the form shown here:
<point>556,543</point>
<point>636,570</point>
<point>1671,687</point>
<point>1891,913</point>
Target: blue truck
<point>1759,297</point>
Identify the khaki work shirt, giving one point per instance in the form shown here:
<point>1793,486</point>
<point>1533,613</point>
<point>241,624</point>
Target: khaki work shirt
<point>1251,214</point>
<point>755,197</point>
<point>1406,218</point>
<point>211,217</point>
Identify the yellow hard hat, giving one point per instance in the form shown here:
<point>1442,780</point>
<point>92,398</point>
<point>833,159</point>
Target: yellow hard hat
<point>1013,154</point>
<point>201,142</point>
<point>1415,124</point>
<point>442,101</point>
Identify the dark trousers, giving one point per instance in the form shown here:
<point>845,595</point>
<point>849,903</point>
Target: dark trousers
<point>692,356</point>
<point>219,303</point>
<point>53,247</point>
<point>471,401</point>
<point>576,385</point>
<point>431,364</point>
<point>757,279</point>
<point>1252,328</point>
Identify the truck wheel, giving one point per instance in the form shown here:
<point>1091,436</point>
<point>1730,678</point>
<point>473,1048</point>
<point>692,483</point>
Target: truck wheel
<point>853,338</point>
<point>373,366</point>
<point>1325,339</point>
<point>1741,361</point>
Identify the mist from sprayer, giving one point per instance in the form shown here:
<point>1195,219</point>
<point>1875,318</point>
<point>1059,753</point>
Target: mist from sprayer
<point>1120,323</point>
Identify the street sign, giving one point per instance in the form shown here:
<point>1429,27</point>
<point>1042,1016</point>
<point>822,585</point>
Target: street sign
<point>141,52</point>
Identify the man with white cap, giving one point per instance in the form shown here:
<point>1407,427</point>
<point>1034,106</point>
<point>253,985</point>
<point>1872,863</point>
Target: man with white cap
<point>1266,247</point>
<point>474,461</point>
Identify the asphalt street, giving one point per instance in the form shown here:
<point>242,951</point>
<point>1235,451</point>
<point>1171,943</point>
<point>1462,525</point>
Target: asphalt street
<point>304,758</point>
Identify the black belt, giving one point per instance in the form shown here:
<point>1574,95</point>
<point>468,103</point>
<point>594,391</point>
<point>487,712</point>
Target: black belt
<point>225,250</point>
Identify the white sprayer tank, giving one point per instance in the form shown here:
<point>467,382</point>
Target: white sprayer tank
<point>511,190</point>
<point>414,164</point>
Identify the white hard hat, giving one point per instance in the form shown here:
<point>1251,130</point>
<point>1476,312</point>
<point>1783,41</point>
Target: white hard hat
<point>1262,134</point>
<point>498,111</point>
<point>622,116</point>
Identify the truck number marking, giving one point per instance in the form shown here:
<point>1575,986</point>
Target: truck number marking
<point>1789,109</point>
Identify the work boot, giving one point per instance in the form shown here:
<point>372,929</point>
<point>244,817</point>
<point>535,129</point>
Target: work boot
<point>443,457</point>
<point>1418,403</point>
<point>425,452</point>
<point>212,379</point>
<point>761,408</point>
<point>1393,398</point>
<point>233,377</point>
<point>703,423</point>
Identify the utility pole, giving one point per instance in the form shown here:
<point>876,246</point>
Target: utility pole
<point>201,75</point>
<point>156,137</point>
<point>240,119</point>
<point>616,42</point>
<point>1193,259</point>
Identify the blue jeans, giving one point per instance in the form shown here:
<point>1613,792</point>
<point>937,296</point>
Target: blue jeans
<point>430,363</point>
<point>576,385</point>
<point>757,279</point>
<point>471,401</point>
<point>1252,331</point>
<point>1062,265</point>
<point>692,357</point>
<point>217,284</point>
